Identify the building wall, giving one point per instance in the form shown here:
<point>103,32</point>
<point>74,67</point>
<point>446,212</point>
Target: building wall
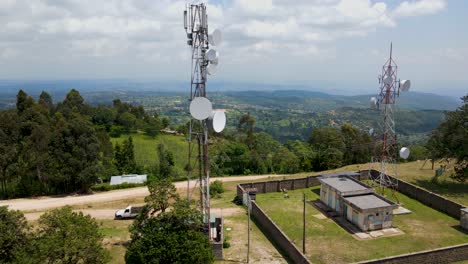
<point>464,219</point>
<point>435,256</point>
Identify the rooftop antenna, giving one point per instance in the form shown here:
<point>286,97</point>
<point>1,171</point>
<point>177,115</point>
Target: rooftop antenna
<point>204,62</point>
<point>389,90</point>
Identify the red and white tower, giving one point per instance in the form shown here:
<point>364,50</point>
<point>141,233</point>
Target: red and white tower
<point>390,87</point>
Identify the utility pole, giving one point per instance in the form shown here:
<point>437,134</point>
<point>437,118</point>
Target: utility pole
<point>249,206</point>
<point>304,224</point>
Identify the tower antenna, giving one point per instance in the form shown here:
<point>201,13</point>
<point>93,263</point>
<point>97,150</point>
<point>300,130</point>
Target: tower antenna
<point>204,62</point>
<point>389,90</point>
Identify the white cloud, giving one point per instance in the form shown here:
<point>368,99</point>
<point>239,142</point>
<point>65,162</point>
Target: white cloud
<point>149,30</point>
<point>421,7</point>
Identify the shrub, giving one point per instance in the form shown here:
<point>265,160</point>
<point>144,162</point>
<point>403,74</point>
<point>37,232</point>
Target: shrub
<point>216,188</point>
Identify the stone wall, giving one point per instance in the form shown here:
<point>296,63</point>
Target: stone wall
<point>434,256</point>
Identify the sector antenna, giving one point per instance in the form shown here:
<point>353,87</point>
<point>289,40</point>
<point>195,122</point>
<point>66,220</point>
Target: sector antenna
<point>203,118</point>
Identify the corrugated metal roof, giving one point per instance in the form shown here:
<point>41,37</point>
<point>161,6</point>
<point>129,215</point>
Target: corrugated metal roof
<point>368,201</point>
<point>343,183</point>
<point>131,178</point>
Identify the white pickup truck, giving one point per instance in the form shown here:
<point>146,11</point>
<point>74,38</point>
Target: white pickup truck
<point>127,213</point>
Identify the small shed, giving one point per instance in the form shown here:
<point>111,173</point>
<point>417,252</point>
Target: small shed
<point>369,211</point>
<point>464,218</point>
<point>356,202</point>
<point>130,178</point>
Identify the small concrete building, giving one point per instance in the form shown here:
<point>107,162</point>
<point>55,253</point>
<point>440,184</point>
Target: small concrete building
<point>464,218</point>
<point>356,201</point>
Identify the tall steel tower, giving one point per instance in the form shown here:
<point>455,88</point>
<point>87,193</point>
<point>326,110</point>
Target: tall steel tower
<point>390,87</point>
<point>204,61</point>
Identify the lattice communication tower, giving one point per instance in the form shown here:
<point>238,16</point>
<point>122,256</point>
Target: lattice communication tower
<point>390,87</point>
<point>204,62</point>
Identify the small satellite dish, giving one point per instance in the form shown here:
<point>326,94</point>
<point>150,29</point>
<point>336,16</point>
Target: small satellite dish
<point>218,120</point>
<point>405,85</point>
<point>216,37</point>
<point>211,55</point>
<point>388,80</point>
<point>211,69</point>
<point>371,131</point>
<point>404,153</point>
<point>373,102</point>
<point>200,108</point>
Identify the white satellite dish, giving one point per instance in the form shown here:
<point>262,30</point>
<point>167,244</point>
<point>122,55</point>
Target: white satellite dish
<point>371,131</point>
<point>373,102</point>
<point>388,80</point>
<point>211,69</point>
<point>404,153</point>
<point>211,55</point>
<point>200,108</point>
<point>216,37</point>
<point>218,120</point>
<point>405,85</point>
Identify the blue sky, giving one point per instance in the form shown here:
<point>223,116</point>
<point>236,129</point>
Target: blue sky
<point>336,45</point>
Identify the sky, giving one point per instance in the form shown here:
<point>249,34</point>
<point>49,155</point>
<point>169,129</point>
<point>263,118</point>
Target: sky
<point>335,45</point>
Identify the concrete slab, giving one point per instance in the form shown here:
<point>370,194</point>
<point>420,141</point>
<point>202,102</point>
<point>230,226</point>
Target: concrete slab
<point>320,216</point>
<point>401,210</point>
<point>362,236</point>
<point>375,234</point>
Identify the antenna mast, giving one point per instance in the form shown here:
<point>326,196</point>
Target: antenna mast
<point>204,62</point>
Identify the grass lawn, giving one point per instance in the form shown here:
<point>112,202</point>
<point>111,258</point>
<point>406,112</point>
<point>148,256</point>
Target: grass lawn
<point>326,242</point>
<point>146,149</point>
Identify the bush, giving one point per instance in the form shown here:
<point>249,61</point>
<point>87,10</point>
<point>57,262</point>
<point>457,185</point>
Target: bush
<point>226,244</point>
<point>216,188</point>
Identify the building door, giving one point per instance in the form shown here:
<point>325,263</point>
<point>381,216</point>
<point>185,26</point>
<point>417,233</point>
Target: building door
<point>330,200</point>
<point>345,210</point>
<point>355,217</point>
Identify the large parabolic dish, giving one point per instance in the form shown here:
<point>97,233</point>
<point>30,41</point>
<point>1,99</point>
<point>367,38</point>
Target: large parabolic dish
<point>218,120</point>
<point>200,108</point>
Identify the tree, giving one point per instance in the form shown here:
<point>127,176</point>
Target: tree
<point>171,237</point>
<point>450,139</point>
<point>14,235</point>
<point>124,157</point>
<point>65,236</point>
<point>162,193</point>
<point>9,137</point>
<point>246,125</point>
<point>45,100</point>
<point>166,161</point>
<point>327,143</point>
<point>284,161</point>
<point>23,101</point>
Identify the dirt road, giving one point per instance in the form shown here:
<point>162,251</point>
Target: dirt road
<point>47,202</point>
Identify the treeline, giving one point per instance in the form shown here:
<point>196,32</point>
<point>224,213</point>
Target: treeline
<point>48,148</point>
<point>250,152</point>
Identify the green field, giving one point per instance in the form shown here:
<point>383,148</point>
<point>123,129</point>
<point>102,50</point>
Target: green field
<point>326,242</point>
<point>146,151</point>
